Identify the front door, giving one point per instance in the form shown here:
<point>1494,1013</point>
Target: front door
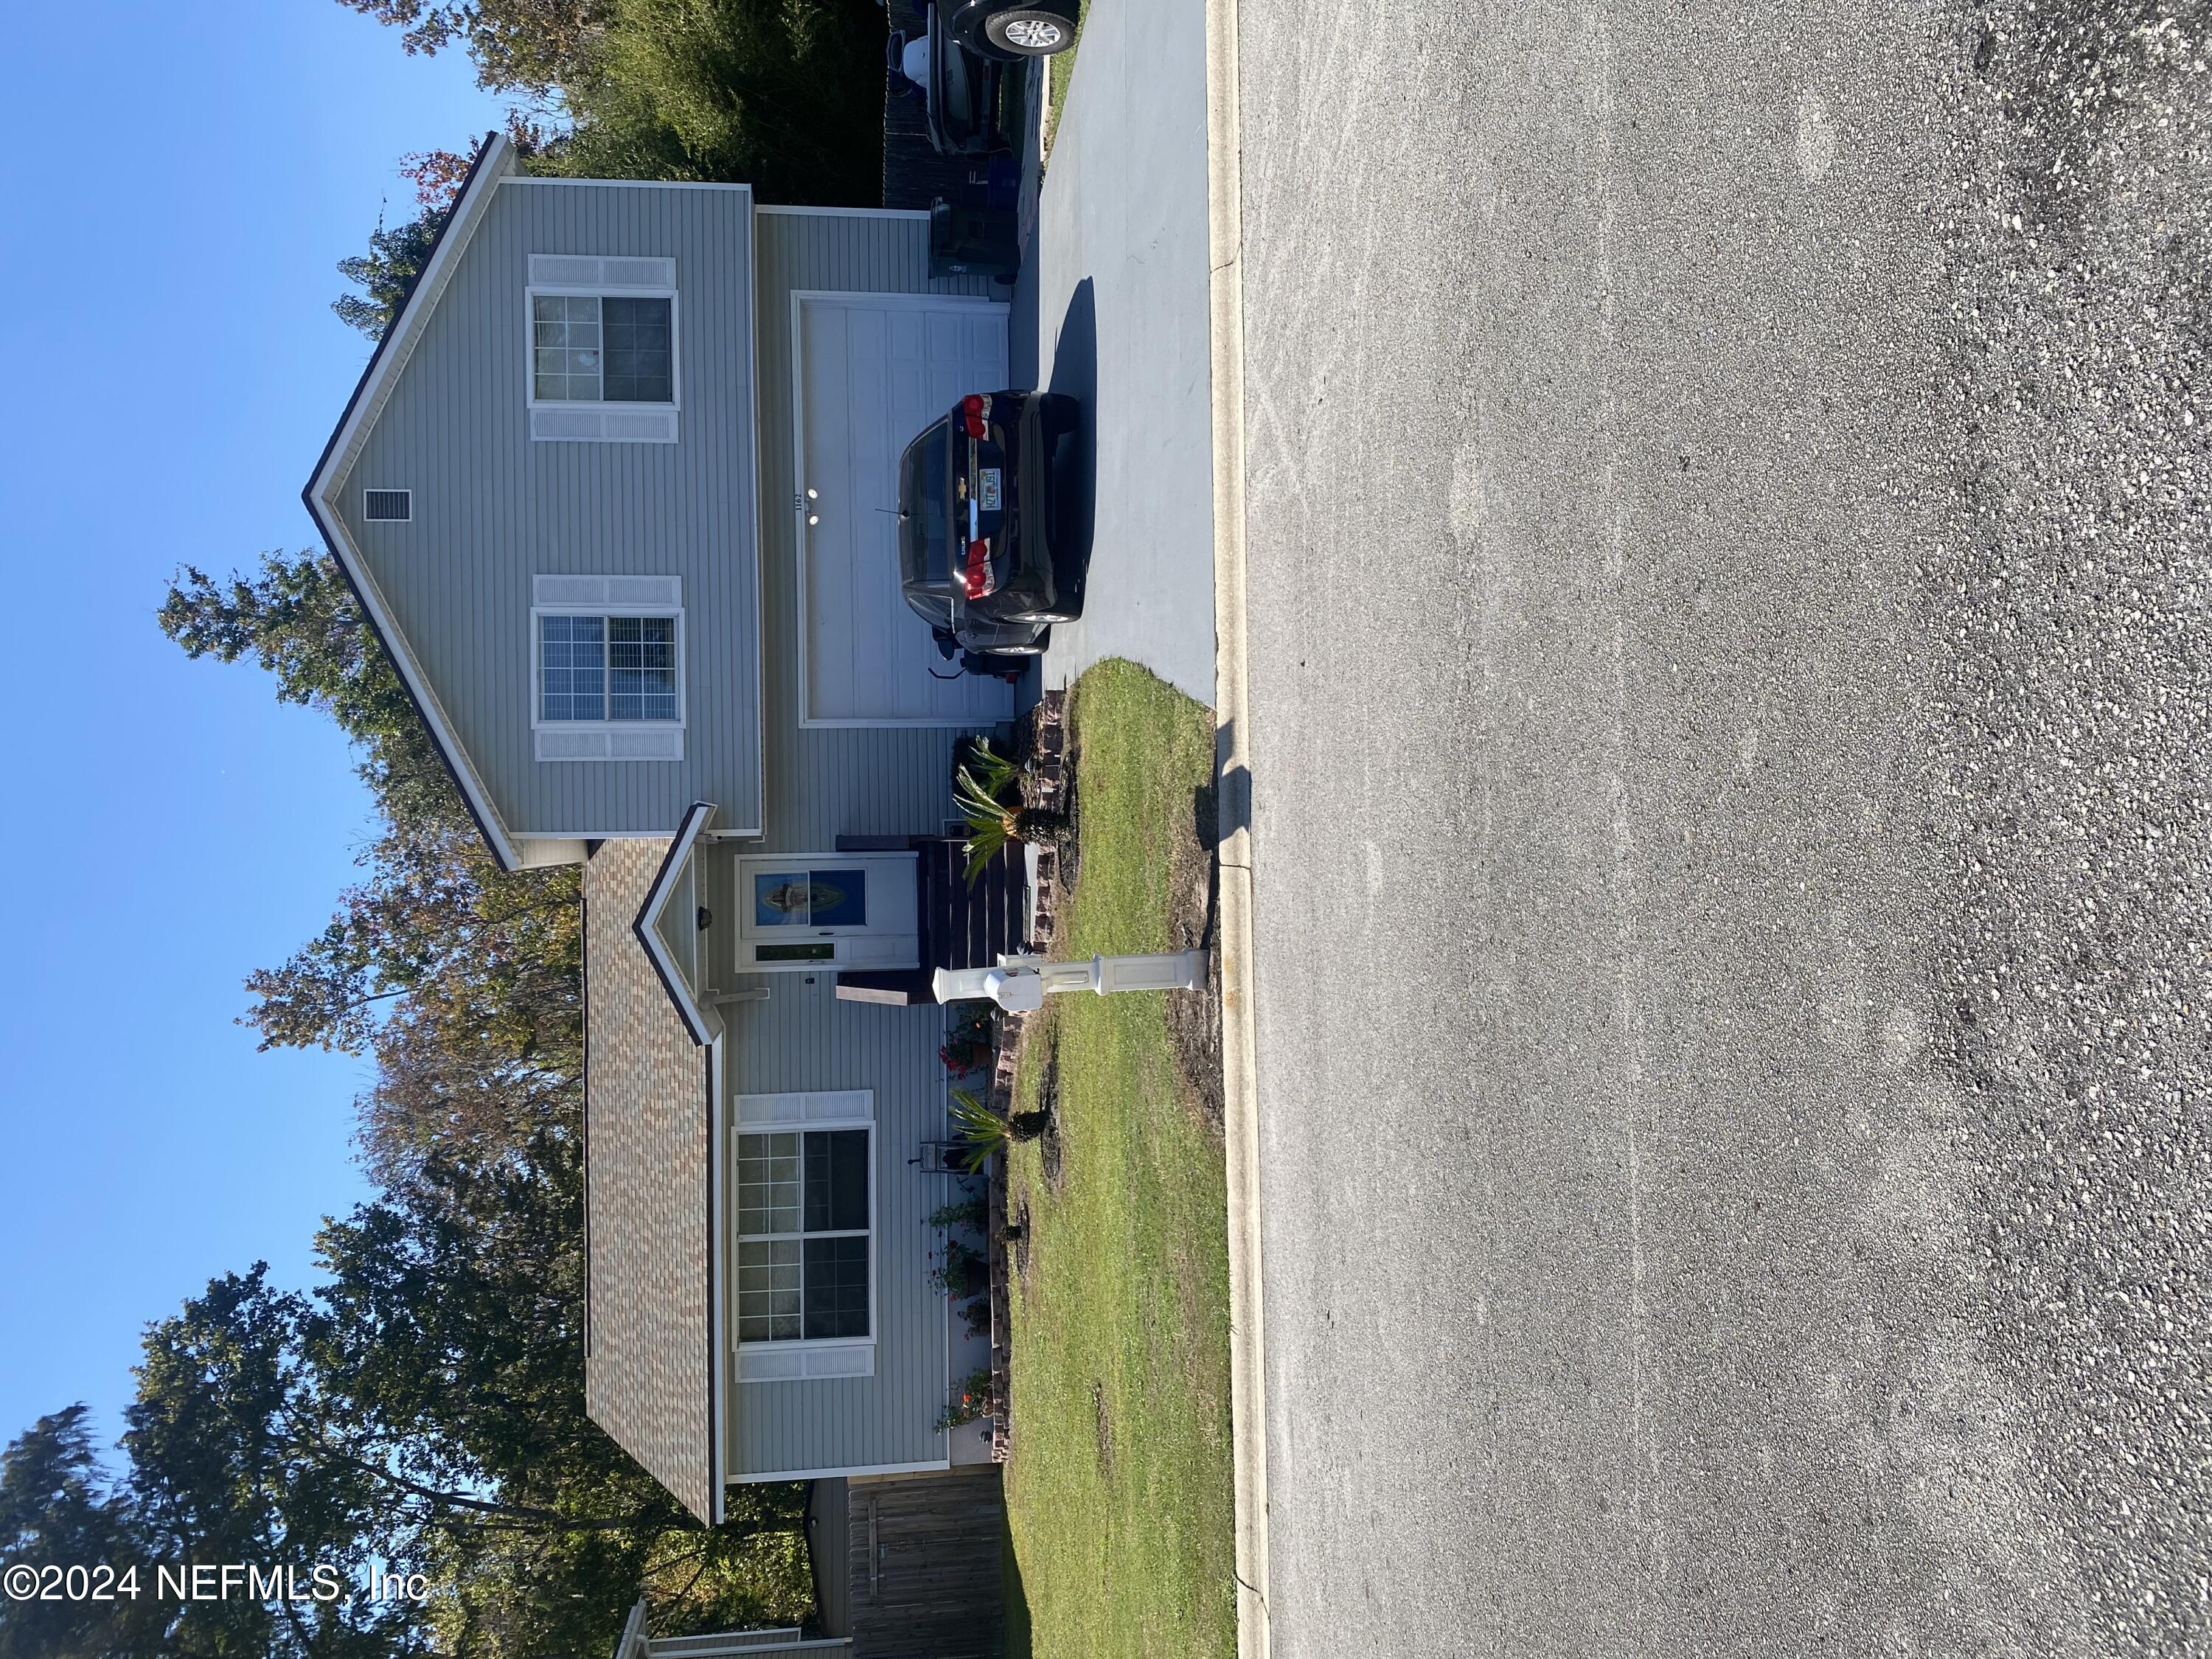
<point>805,912</point>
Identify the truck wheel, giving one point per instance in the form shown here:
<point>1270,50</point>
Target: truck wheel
<point>1028,32</point>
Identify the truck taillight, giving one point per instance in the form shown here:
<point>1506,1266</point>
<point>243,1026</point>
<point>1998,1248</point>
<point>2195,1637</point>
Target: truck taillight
<point>975,413</point>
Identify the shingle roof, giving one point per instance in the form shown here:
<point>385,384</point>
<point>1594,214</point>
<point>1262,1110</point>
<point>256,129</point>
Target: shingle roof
<point>647,1368</point>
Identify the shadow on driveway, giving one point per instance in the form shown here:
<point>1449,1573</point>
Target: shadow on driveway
<point>1075,374</point>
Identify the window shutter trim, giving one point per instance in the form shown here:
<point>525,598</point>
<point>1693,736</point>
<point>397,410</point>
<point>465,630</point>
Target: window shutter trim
<point>610,271</point>
<point>794,1362</point>
<point>603,426</point>
<point>610,743</point>
<point>656,590</point>
<point>820,1110</point>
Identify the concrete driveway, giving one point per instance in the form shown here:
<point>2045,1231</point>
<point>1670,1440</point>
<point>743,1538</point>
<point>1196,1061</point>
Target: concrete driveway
<point>1111,308</point>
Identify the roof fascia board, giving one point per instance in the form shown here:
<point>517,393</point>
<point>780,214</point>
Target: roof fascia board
<point>458,766</point>
<point>629,184</point>
<point>702,1025</point>
<point>720,1401</point>
<point>493,160</point>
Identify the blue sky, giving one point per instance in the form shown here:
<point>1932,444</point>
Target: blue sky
<point>179,181</point>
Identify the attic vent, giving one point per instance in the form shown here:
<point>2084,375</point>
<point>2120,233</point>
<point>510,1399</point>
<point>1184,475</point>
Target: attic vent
<point>389,506</point>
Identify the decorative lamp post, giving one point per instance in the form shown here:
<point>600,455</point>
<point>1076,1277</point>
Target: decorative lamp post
<point>1020,984</point>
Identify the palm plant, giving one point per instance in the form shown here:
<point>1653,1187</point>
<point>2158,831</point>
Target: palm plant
<point>977,789</point>
<point>986,1131</point>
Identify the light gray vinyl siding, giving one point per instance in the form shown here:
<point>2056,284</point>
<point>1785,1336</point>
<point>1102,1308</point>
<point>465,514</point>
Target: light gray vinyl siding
<point>492,508</point>
<point>802,1038</point>
<point>843,780</point>
<point>822,783</point>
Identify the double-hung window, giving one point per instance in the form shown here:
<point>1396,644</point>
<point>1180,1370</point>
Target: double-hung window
<point>602,348</point>
<point>607,668</point>
<point>801,1209</point>
<point>804,1240</point>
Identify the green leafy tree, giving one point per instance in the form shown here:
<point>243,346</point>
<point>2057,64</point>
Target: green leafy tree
<point>58,1507</point>
<point>231,1462</point>
<point>424,1405</point>
<point>518,46</point>
<point>787,95</point>
<point>395,257</point>
<point>479,968</point>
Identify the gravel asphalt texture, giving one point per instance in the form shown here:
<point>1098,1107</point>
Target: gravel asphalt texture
<point>1729,521</point>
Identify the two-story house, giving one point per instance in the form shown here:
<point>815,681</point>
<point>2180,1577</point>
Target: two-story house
<point>616,493</point>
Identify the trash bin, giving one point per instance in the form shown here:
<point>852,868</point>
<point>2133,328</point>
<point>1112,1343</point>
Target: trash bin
<point>972,241</point>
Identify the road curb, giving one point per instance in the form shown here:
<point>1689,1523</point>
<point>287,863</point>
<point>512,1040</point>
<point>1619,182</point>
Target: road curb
<point>1232,730</point>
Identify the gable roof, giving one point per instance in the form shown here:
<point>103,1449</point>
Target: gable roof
<point>683,995</point>
<point>494,160</point>
<point>650,1347</point>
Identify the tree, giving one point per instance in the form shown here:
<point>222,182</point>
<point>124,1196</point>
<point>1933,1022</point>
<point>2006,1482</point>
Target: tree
<point>57,1507</point>
<point>787,95</point>
<point>424,1406</point>
<point>419,1413</point>
<point>384,274</point>
<point>487,962</point>
<point>231,1462</point>
<point>518,46</point>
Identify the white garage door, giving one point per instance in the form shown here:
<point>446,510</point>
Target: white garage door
<point>873,370</point>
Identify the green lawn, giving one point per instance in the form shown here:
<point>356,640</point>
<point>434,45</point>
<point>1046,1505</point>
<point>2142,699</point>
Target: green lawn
<point>1060,68</point>
<point>1119,1494</point>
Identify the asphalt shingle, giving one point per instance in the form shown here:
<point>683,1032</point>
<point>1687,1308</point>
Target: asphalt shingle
<point>646,1372</point>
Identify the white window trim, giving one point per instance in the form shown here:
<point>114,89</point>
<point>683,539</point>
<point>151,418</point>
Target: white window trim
<point>798,1359</point>
<point>602,291</point>
<point>540,726</point>
<point>385,490</point>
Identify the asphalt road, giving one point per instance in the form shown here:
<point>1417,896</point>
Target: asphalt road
<point>1730,522</point>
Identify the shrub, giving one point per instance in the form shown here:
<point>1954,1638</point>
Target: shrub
<point>964,1271</point>
<point>968,1046</point>
<point>973,1210</point>
<point>975,1398</point>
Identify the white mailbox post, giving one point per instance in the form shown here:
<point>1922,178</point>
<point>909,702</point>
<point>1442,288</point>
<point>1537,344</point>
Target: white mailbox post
<point>1020,984</point>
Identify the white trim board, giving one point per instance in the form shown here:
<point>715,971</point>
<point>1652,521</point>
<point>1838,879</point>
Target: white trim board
<point>703,1024</point>
<point>931,1467</point>
<point>759,526</point>
<point>753,834</point>
<point>720,1404</point>
<point>495,164</point>
<point>842,212</point>
<point>623,184</point>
